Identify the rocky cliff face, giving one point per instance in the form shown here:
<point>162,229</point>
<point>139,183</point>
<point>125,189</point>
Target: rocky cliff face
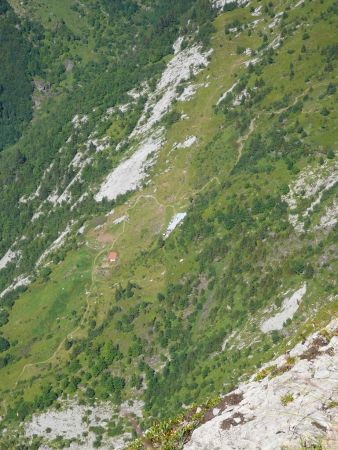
<point>291,403</point>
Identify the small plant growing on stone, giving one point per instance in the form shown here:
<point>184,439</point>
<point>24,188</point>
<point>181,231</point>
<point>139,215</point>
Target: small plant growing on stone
<point>286,399</point>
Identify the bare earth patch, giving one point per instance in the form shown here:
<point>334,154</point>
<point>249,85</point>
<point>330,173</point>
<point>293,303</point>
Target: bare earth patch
<point>105,238</point>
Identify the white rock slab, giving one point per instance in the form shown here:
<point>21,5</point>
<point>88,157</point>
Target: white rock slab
<point>188,142</point>
<point>9,257</point>
<point>175,221</point>
<point>127,176</point>
<point>289,308</point>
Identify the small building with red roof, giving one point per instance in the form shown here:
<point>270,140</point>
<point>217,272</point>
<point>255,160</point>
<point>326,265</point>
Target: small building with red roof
<point>112,257</point>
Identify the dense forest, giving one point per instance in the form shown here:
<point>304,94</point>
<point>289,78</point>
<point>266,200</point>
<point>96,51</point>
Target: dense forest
<point>19,63</point>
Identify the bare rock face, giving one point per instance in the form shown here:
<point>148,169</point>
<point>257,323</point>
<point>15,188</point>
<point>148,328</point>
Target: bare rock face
<point>76,422</point>
<point>289,403</point>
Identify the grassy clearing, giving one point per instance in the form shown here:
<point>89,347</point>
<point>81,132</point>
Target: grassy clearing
<point>46,313</point>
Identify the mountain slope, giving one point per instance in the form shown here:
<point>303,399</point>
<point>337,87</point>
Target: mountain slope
<point>211,174</point>
<point>289,403</point>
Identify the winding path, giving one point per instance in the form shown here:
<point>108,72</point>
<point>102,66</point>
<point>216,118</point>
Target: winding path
<point>242,140</point>
<point>71,334</point>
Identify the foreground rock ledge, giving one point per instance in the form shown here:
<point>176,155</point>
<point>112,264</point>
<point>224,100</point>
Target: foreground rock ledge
<point>292,401</point>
